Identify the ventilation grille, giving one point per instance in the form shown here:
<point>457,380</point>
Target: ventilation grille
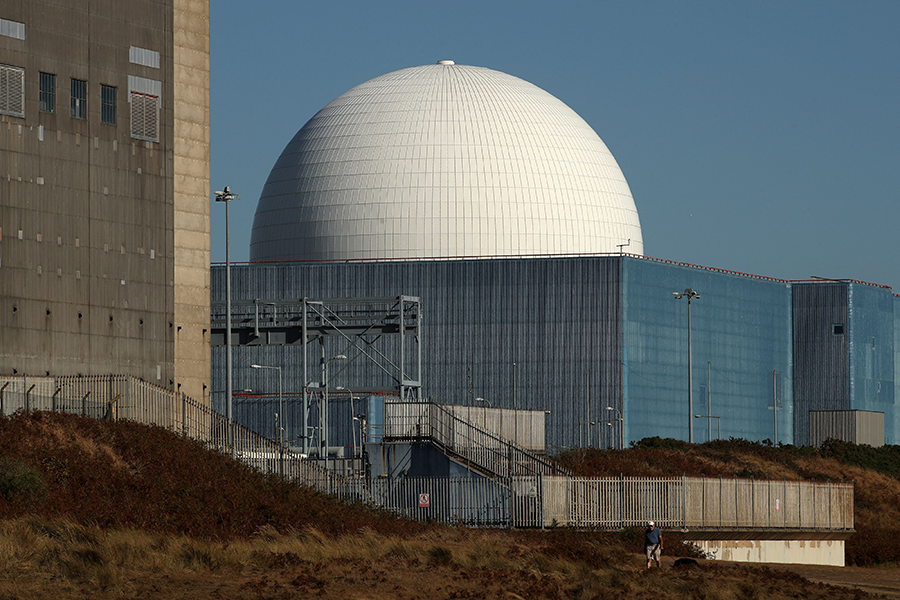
<point>144,117</point>
<point>12,91</point>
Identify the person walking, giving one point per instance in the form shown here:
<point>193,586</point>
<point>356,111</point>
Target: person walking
<point>653,543</point>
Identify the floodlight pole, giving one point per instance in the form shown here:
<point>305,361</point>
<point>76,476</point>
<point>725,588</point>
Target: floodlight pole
<point>280,420</point>
<point>621,420</point>
<point>227,196</point>
<point>690,294</point>
<point>323,418</point>
<point>352,413</point>
<point>775,405</point>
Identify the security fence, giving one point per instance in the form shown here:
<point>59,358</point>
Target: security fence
<point>532,493</point>
<point>121,397</point>
<point>619,502</point>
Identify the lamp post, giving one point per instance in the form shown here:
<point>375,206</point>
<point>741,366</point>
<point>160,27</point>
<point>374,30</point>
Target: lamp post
<point>581,425</point>
<point>709,420</point>
<point>280,412</point>
<point>621,421</point>
<point>227,196</point>
<point>323,418</point>
<point>690,294</point>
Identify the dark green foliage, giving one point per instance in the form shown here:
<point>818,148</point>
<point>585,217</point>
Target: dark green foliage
<point>19,482</point>
<point>658,443</point>
<point>885,459</point>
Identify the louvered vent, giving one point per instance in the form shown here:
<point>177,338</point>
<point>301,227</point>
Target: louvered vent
<point>12,91</point>
<point>144,117</point>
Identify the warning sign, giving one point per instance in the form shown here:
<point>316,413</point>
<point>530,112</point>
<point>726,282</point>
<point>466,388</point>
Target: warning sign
<point>424,501</point>
<point>532,492</point>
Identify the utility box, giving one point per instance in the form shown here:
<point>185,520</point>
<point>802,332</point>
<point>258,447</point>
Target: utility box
<point>855,426</point>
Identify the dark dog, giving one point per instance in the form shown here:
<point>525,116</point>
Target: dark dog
<point>685,562</point>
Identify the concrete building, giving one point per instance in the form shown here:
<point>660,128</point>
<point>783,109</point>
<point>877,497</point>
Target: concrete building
<point>104,190</point>
<point>506,215</point>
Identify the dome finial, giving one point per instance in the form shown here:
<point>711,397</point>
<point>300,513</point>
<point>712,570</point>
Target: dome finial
<point>446,62</point>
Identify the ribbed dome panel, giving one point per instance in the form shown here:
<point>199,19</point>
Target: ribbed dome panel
<point>443,161</point>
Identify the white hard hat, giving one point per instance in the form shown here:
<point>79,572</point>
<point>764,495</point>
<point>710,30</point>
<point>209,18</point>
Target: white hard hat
<point>649,523</point>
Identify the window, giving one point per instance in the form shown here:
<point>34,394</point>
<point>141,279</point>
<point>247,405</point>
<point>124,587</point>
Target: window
<point>79,99</point>
<point>48,93</point>
<point>107,104</point>
<point>144,117</point>
<point>12,91</point>
<point>837,329</point>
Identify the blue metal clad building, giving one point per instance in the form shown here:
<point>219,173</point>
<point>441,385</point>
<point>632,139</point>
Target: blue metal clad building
<point>589,338</point>
<point>845,351</point>
<point>896,422</point>
<point>741,340</point>
<point>405,174</point>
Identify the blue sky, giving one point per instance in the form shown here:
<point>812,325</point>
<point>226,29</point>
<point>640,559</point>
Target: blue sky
<point>761,137</point>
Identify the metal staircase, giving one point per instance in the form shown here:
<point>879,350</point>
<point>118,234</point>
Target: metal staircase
<point>490,455</point>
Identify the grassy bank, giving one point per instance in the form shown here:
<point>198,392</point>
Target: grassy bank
<point>91,509</point>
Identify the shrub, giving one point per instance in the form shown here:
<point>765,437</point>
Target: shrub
<point>659,443</point>
<point>18,481</point>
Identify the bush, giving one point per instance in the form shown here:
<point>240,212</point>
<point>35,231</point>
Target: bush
<point>18,481</point>
<point>658,443</point>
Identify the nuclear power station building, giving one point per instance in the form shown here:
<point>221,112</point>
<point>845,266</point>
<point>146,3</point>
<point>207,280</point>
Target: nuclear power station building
<point>506,217</point>
<point>494,215</point>
<point>104,191</point>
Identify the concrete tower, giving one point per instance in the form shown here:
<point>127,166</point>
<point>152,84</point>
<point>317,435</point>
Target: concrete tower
<point>104,189</point>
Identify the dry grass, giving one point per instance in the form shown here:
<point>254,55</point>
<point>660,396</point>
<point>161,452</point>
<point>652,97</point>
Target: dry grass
<point>129,511</point>
<point>52,559</point>
<point>876,494</point>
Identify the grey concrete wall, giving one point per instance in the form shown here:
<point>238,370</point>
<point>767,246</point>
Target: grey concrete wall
<point>87,218</point>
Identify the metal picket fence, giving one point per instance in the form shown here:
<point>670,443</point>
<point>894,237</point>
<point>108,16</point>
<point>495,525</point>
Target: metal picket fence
<point>619,502</point>
<point>524,490</point>
<point>121,397</point>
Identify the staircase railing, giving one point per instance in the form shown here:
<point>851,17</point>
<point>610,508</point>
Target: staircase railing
<point>480,449</point>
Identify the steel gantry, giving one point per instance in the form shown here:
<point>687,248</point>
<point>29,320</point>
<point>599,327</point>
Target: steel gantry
<point>384,332</point>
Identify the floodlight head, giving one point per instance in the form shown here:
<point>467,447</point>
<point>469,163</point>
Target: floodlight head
<point>677,295</point>
<point>610,408</point>
<point>256,366</point>
<point>226,195</point>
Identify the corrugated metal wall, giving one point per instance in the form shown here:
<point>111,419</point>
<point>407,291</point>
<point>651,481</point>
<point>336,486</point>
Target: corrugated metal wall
<point>821,352</point>
<point>871,351</point>
<point>856,426</point>
<point>741,342</point>
<point>556,319</point>
<point>894,426</point>
<point>577,328</point>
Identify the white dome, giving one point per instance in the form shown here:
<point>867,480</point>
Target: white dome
<point>444,161</point>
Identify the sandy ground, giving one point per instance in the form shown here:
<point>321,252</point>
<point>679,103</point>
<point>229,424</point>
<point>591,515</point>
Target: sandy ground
<point>882,580</point>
